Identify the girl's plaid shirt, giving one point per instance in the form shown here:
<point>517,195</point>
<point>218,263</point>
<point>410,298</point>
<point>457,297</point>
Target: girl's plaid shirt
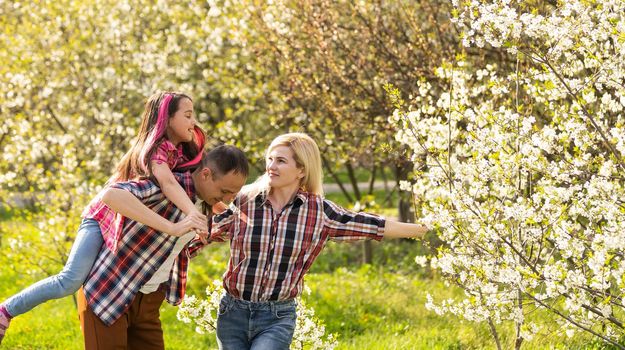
<point>271,252</point>
<point>116,277</point>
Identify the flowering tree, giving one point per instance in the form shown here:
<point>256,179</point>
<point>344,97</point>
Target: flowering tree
<point>519,165</point>
<point>333,58</point>
<point>75,75</point>
<point>74,79</point>
<point>309,331</point>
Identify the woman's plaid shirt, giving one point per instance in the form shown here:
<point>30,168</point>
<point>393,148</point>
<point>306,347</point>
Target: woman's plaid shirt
<point>271,252</point>
<point>116,277</point>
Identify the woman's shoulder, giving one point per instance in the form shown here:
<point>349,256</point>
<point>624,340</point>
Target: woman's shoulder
<point>245,196</point>
<point>311,197</point>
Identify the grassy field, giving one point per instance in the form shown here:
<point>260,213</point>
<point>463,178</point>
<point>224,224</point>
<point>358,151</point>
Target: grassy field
<point>379,306</point>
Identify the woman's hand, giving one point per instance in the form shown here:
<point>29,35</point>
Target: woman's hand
<point>219,208</point>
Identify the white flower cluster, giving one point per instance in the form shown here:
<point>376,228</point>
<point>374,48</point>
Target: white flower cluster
<point>524,166</point>
<point>309,330</point>
<point>203,312</point>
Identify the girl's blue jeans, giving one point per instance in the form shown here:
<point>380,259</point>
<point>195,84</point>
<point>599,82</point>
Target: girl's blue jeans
<point>255,325</point>
<point>84,252</point>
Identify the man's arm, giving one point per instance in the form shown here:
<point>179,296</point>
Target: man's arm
<point>126,204</point>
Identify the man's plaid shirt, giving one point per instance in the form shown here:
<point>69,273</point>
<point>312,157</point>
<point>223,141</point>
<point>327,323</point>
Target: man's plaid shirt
<point>270,252</point>
<point>116,277</point>
<point>112,223</point>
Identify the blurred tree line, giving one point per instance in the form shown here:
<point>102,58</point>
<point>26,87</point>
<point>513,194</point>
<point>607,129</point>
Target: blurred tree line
<point>75,75</point>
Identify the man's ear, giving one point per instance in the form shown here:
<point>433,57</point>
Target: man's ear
<point>207,173</point>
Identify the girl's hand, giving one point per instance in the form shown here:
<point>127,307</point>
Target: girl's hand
<point>197,214</point>
<point>201,234</point>
<point>194,221</point>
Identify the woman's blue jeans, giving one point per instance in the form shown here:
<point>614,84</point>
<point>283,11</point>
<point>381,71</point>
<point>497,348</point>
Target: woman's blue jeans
<point>255,325</point>
<point>81,258</point>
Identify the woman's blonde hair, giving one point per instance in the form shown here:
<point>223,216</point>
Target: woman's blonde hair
<point>307,157</point>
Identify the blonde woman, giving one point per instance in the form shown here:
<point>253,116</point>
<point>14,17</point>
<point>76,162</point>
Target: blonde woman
<point>277,227</point>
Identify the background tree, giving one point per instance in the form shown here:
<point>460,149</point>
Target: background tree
<point>74,78</point>
<point>329,61</point>
<point>77,74</point>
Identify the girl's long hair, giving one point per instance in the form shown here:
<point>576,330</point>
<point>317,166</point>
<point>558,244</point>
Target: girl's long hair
<point>158,109</point>
<point>307,157</point>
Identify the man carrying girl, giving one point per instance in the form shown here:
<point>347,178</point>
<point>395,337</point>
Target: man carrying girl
<point>120,300</point>
<point>168,139</point>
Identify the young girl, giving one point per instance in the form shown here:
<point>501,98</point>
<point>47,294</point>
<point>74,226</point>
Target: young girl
<point>168,140</point>
<point>277,227</point>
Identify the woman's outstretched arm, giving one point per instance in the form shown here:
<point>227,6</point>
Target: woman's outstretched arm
<point>396,229</point>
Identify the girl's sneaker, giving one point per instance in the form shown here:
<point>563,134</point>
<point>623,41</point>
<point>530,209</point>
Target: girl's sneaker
<point>5,319</point>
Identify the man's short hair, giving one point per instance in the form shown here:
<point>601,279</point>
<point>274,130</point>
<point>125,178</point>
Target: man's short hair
<point>224,159</point>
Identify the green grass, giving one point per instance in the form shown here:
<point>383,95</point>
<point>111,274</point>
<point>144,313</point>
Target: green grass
<point>371,308</point>
<point>379,306</point>
<point>55,325</point>
<point>368,307</point>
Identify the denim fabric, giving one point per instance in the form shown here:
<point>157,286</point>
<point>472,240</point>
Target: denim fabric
<point>255,325</point>
<point>84,252</point>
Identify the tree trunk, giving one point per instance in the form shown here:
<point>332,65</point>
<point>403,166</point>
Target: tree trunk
<point>353,180</point>
<point>406,199</point>
<point>367,252</point>
<point>326,164</point>
<point>493,332</point>
<point>367,248</point>
<point>371,179</point>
